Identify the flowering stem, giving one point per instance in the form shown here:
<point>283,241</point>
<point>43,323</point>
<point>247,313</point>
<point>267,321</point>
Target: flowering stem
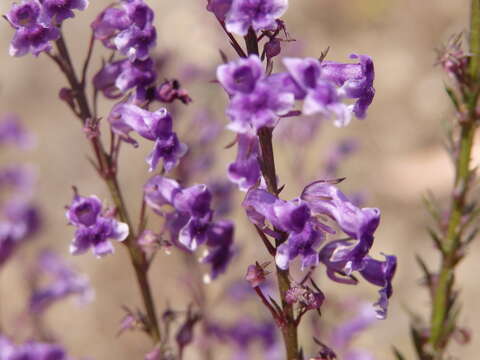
<point>444,296</point>
<point>289,328</point>
<point>107,169</point>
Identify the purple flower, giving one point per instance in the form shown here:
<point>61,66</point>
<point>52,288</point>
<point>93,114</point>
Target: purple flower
<point>291,217</point>
<point>84,211</point>
<point>108,24</point>
<point>155,126</point>
<point>168,148</point>
<point>255,102</point>
<point>136,43</point>
<point>356,81</point>
<point>128,117</point>
<point>320,96</point>
<point>56,11</point>
<point>117,77</point>
<point>245,170</point>
<point>360,224</point>
<point>12,132</point>
<point>159,191</point>
<point>93,228</point>
<point>139,13</point>
<point>139,73</point>
<point>241,76</point>
<point>129,30</point>
<point>380,273</point>
<point>302,244</point>
<point>258,14</point>
<point>220,242</point>
<point>190,224</point>
<point>261,108</point>
<point>34,39</point>
<point>30,351</point>
<point>105,79</point>
<point>65,282</point>
<point>24,15</point>
<point>219,7</point>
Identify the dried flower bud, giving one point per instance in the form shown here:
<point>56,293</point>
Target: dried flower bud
<point>255,275</point>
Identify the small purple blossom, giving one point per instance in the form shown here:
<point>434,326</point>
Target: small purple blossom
<point>108,24</point>
<point>56,11</point>
<point>245,170</point>
<point>324,198</point>
<point>191,224</point>
<point>355,81</point>
<point>291,217</point>
<point>257,14</point>
<point>380,273</point>
<point>155,126</point>
<point>24,14</point>
<point>220,247</point>
<point>135,43</point>
<point>128,29</point>
<point>255,102</point>
<point>34,39</point>
<point>94,229</point>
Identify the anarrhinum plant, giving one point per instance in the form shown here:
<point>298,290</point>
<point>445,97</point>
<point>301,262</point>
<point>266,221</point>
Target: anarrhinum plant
<point>309,227</point>
<point>298,228</point>
<point>457,225</point>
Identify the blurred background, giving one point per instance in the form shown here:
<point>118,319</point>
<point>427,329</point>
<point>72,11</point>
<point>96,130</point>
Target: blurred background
<point>400,157</point>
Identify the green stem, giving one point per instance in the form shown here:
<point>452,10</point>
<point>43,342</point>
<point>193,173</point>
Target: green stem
<point>137,257</point>
<point>443,293</point>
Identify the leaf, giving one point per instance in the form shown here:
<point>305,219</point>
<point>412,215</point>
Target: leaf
<point>432,206</point>
<point>436,239</point>
<point>398,354</point>
<point>453,97</point>
<point>418,343</point>
<point>426,272</point>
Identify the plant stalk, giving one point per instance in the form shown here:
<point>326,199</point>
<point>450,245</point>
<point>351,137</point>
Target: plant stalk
<point>289,329</point>
<point>108,174</point>
<point>443,295</point>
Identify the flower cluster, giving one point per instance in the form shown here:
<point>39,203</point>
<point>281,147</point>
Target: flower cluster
<point>191,222</point>
<point>129,30</point>
<point>155,126</point>
<point>36,23</point>
<point>258,101</point>
<point>94,226</point>
<point>297,225</point>
<point>30,350</point>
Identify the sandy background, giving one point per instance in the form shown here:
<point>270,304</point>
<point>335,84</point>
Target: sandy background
<point>401,157</point>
